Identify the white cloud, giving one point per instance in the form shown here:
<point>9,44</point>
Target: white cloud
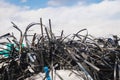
<point>100,19</point>
<point>23,1</point>
<point>61,2</point>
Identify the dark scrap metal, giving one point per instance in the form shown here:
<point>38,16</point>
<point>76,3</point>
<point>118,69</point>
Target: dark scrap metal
<point>97,58</point>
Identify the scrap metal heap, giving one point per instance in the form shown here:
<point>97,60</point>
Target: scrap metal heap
<point>97,58</point>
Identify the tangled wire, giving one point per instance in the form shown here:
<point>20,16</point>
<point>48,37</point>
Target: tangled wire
<point>97,58</point>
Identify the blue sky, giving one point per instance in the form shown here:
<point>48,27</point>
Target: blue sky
<point>35,4</point>
<point>29,3</point>
<point>98,16</point>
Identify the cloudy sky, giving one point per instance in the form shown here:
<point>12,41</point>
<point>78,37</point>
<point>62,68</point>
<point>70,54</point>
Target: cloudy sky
<point>100,17</point>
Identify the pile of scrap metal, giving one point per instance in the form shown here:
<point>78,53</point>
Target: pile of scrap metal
<point>85,56</point>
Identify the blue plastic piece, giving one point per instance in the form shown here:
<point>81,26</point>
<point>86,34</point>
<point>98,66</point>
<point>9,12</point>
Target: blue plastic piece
<point>46,70</point>
<point>6,53</point>
<point>111,41</point>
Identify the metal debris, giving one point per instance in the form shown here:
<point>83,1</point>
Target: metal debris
<point>97,58</point>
